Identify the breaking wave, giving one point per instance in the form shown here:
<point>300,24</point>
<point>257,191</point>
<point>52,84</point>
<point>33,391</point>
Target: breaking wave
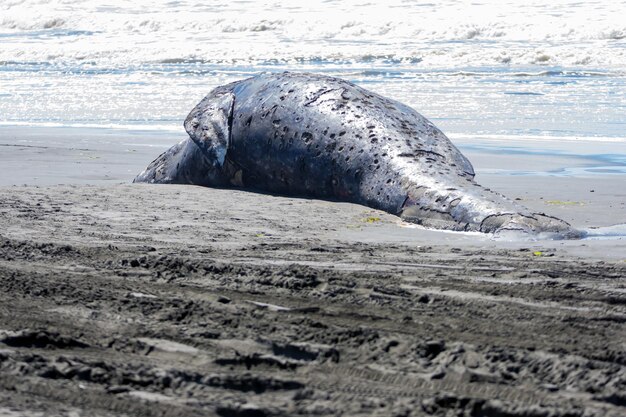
<point>448,34</point>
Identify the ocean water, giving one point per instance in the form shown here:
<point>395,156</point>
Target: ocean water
<point>478,69</point>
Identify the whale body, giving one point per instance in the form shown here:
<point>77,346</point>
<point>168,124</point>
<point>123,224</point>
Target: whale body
<point>311,135</point>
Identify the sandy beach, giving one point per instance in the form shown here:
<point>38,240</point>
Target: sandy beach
<point>128,299</point>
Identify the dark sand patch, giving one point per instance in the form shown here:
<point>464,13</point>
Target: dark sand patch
<point>177,300</point>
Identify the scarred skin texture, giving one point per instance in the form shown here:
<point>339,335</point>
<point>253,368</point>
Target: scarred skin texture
<point>318,136</point>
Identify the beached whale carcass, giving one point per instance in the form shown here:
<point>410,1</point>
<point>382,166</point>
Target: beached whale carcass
<point>311,135</point>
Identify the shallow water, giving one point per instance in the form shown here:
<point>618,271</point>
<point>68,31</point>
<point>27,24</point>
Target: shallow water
<point>502,69</point>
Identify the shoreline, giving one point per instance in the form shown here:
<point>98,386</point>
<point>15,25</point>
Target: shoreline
<point>580,182</point>
<point>491,155</point>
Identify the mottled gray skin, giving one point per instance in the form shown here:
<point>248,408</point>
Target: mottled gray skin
<point>318,136</point>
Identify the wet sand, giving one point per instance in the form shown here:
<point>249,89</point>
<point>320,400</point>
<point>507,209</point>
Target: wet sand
<point>123,299</point>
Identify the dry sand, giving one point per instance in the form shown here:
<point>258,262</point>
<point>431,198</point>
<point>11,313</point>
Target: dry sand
<point>122,299</point>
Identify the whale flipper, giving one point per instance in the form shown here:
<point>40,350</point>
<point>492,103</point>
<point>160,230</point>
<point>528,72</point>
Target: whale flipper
<point>201,158</point>
<point>209,125</point>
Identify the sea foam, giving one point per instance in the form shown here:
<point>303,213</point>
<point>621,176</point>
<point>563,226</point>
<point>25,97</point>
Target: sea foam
<point>450,33</point>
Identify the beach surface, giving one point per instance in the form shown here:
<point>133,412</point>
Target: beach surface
<point>135,299</point>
